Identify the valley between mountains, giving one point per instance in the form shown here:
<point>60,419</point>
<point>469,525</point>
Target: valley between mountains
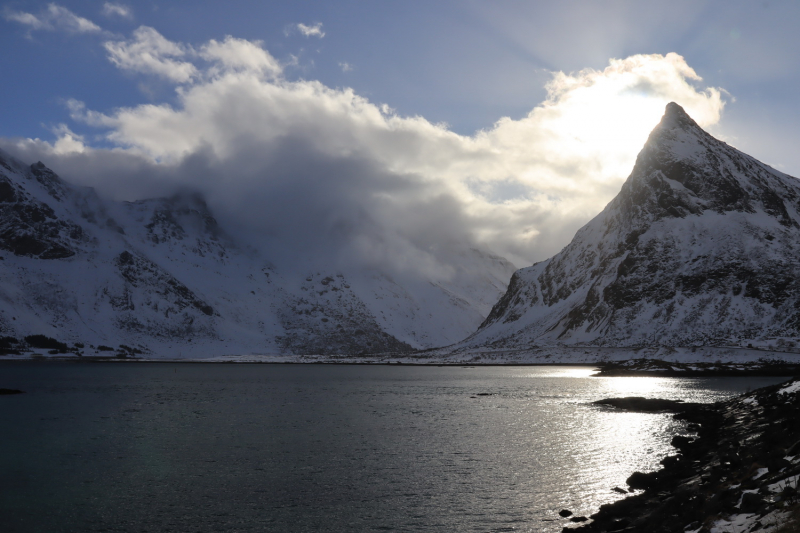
<point>162,278</point>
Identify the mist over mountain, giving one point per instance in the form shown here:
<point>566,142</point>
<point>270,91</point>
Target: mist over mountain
<point>165,276</point>
<point>700,247</point>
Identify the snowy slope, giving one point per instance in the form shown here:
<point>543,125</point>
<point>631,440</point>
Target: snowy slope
<point>700,247</point>
<point>163,276</point>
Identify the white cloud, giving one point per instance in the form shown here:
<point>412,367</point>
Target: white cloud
<point>314,30</point>
<point>54,17</point>
<point>27,19</point>
<point>68,142</point>
<point>593,123</point>
<point>346,67</point>
<point>115,9</point>
<point>150,53</point>
<point>328,173</point>
<point>240,54</point>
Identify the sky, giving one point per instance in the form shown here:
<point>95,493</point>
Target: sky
<point>386,133</point>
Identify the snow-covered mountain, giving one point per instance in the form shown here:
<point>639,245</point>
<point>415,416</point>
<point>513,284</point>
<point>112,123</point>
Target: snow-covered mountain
<point>161,275</point>
<point>700,247</point>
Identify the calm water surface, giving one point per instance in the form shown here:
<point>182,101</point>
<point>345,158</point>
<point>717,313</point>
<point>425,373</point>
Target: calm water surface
<point>178,447</point>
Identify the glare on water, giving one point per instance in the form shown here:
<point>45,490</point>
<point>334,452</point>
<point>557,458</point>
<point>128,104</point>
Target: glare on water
<point>140,447</point>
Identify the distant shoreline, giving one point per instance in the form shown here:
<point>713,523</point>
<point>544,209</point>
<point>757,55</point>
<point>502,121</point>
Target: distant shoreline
<point>631,368</point>
<point>131,360</point>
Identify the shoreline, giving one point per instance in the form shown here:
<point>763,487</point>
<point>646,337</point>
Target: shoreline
<point>629,368</point>
<point>139,360</point>
<point>738,474</point>
<point>772,351</point>
<point>659,368</point>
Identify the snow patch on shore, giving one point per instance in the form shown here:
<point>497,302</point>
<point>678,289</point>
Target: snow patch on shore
<point>790,389</point>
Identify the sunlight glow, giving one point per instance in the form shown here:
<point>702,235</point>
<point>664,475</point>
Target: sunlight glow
<point>563,372</point>
<point>614,125</point>
<point>634,386</point>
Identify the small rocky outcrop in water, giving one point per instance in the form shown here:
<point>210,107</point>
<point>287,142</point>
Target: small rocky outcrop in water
<point>649,405</point>
<point>740,474</point>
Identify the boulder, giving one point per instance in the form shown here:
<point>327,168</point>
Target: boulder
<point>640,480</point>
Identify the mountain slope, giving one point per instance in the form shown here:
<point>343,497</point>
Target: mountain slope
<point>163,276</point>
<point>700,247</point>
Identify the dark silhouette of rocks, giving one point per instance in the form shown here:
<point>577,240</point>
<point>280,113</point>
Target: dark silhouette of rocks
<point>656,367</point>
<point>745,460</point>
<point>649,405</point>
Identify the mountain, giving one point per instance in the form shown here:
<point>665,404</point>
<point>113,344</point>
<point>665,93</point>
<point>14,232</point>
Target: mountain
<point>163,277</point>
<point>701,247</point>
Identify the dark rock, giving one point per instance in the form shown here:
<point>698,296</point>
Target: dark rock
<point>751,502</point>
<point>639,480</point>
<point>564,513</point>
<point>620,490</point>
<point>10,391</point>
<point>648,405</point>
<point>618,525</point>
<point>45,342</point>
<point>671,460</point>
<point>29,227</point>
<point>140,271</point>
<point>775,464</point>
<point>681,442</point>
<point>794,449</point>
<point>578,519</point>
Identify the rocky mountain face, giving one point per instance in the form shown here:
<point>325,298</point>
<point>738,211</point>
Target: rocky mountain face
<point>700,247</point>
<point>162,276</point>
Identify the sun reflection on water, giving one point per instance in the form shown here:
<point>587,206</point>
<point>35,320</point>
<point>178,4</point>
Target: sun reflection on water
<point>561,372</point>
<point>636,386</point>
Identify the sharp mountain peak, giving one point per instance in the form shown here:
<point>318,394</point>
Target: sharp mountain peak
<point>700,247</point>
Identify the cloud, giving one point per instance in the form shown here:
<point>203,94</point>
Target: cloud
<point>593,122</point>
<point>309,171</point>
<point>148,52</point>
<point>346,67</point>
<point>315,30</point>
<point>67,142</point>
<point>241,55</point>
<point>53,18</point>
<point>114,9</point>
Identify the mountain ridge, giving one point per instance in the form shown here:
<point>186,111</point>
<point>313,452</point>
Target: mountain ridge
<point>163,275</point>
<point>698,248</point>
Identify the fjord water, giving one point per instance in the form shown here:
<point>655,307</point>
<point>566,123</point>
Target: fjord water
<point>207,447</point>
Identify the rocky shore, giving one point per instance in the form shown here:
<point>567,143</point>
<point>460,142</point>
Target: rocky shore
<point>738,473</point>
<point>660,368</point>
